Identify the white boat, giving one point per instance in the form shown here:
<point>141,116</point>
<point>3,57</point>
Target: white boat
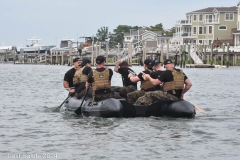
<point>34,47</point>
<point>6,49</point>
<point>65,46</point>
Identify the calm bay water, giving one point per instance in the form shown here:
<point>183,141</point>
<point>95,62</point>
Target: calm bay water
<point>27,125</point>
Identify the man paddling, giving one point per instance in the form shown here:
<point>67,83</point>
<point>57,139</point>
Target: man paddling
<point>68,77</point>
<point>80,78</point>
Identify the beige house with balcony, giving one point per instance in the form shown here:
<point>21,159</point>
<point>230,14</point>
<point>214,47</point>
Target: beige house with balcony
<point>206,25</point>
<point>237,33</point>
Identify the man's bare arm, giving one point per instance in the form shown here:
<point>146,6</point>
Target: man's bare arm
<point>188,85</point>
<point>117,66</point>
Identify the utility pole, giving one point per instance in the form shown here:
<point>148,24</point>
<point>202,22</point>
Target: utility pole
<point>92,50</point>
<point>77,43</point>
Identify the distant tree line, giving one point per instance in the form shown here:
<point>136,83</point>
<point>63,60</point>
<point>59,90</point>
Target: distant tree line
<point>117,36</point>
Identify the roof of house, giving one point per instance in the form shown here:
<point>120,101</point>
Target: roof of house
<point>220,9</point>
<point>164,36</point>
<point>136,33</point>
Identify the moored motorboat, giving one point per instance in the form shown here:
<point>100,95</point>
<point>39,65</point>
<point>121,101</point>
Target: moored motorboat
<point>34,47</point>
<point>112,107</point>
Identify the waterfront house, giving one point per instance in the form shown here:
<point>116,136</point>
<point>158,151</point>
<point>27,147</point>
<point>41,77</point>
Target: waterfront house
<point>237,33</point>
<point>206,25</point>
<point>152,38</point>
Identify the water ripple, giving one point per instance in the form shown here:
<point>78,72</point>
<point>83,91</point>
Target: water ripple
<point>30,92</point>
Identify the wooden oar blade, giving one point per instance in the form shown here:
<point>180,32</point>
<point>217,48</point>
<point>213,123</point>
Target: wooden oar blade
<point>199,109</point>
<point>196,107</point>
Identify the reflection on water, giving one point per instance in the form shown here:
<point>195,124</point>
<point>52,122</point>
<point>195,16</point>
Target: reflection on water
<point>30,92</point>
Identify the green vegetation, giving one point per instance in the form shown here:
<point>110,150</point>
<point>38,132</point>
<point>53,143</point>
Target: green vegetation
<point>118,33</point>
<point>110,60</point>
<point>238,61</point>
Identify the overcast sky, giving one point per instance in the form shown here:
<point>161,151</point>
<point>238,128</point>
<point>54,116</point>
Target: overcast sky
<point>53,20</point>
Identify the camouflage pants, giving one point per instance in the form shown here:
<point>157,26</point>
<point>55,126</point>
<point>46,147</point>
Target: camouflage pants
<point>150,97</point>
<point>82,93</point>
<point>99,97</point>
<point>123,91</point>
<point>133,96</point>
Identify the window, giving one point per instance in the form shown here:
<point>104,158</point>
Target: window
<point>200,41</point>
<point>210,41</point>
<point>204,30</point>
<point>229,16</point>
<point>222,28</point>
<point>128,38</point>
<point>200,17</point>
<point>200,30</point>
<point>190,19</point>
<point>209,29</point>
<point>195,17</point>
<point>209,18</point>
<point>194,30</point>
<point>135,37</point>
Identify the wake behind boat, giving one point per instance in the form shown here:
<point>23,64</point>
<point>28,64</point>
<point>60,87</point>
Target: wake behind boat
<point>112,107</point>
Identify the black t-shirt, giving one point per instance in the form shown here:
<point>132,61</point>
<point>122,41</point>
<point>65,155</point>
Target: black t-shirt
<point>126,81</point>
<point>80,87</point>
<point>69,76</point>
<point>86,70</point>
<point>167,76</point>
<point>140,76</point>
<point>91,79</point>
<point>155,75</point>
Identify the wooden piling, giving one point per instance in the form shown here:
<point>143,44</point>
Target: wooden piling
<point>167,56</point>
<point>161,59</point>
<point>180,53</point>
<point>227,55</point>
<point>211,58</point>
<point>70,57</point>
<point>92,57</point>
<point>118,53</point>
<point>107,50</point>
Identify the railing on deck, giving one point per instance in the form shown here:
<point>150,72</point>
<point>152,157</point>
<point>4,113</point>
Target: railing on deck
<point>183,22</point>
<point>211,21</point>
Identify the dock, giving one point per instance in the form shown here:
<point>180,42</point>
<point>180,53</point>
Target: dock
<point>200,66</point>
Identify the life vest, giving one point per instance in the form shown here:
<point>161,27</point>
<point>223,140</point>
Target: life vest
<point>79,77</point>
<point>145,85</point>
<point>177,83</point>
<point>101,80</point>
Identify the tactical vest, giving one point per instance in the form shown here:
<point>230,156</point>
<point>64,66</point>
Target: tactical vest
<point>101,80</point>
<point>79,77</point>
<point>177,83</point>
<point>145,85</point>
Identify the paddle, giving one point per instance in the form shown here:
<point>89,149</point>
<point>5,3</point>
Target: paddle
<point>199,109</point>
<point>196,107</point>
<point>79,110</point>
<point>58,108</point>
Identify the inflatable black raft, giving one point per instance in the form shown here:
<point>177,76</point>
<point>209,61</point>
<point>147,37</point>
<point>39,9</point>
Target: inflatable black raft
<point>121,108</point>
